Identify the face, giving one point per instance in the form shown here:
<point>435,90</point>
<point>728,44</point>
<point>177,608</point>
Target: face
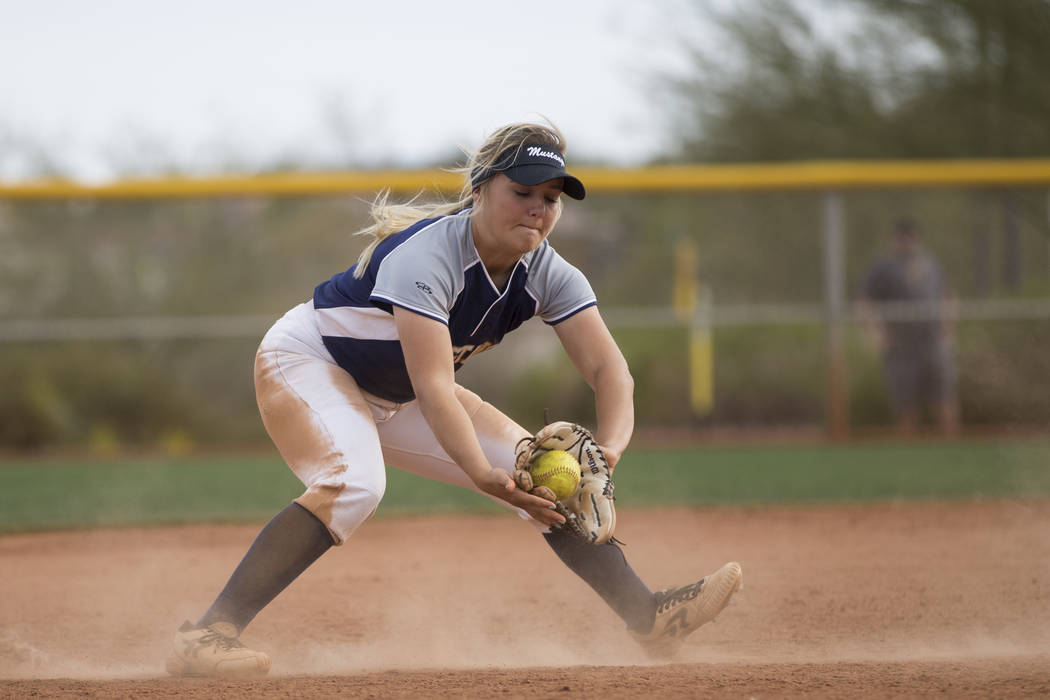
<point>511,219</point>
<point>905,243</point>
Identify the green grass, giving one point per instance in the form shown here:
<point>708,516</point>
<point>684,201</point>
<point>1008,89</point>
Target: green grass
<point>838,473</point>
<point>43,494</point>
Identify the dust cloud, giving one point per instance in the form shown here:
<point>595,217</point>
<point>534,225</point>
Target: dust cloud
<point>872,584</point>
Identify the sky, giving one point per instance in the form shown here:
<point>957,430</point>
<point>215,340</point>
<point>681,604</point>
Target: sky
<point>115,87</point>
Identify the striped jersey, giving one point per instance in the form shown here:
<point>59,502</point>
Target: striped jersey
<point>432,268</point>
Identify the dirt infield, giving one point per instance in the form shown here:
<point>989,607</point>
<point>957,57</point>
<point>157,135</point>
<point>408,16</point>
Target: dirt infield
<point>883,600</point>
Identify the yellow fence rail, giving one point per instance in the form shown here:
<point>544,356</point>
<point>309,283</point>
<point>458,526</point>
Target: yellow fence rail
<point>813,175</point>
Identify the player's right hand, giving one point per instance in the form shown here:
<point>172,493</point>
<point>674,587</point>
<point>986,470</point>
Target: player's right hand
<point>498,483</point>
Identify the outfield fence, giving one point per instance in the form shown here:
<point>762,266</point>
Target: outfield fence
<point>31,330</point>
<point>202,266</point>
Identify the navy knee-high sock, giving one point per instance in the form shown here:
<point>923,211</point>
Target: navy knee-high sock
<point>605,569</point>
<point>293,540</point>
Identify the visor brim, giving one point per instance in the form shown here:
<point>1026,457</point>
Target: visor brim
<point>535,173</point>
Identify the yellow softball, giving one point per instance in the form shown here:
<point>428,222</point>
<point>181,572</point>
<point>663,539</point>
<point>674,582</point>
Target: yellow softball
<point>557,470</point>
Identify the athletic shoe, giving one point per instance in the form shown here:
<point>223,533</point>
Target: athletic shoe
<point>214,651</point>
<point>681,611</point>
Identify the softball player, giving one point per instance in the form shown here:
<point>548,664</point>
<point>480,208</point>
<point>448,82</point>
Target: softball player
<point>362,376</point>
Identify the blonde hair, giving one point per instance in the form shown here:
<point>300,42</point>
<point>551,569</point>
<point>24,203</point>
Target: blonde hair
<point>388,218</point>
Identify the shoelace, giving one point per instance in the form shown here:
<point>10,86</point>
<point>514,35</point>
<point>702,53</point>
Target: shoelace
<point>673,596</point>
<point>220,640</point>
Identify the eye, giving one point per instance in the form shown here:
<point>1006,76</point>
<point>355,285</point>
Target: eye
<point>522,193</point>
<point>552,200</point>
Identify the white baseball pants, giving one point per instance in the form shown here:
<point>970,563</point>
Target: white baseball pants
<point>337,438</point>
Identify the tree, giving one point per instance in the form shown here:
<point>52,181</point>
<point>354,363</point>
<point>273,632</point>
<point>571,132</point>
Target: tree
<point>899,79</point>
<point>875,79</point>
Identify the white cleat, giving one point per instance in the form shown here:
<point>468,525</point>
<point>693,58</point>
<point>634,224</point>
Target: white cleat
<point>214,651</point>
<point>681,611</point>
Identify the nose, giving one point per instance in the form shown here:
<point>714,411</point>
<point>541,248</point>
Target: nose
<point>537,206</point>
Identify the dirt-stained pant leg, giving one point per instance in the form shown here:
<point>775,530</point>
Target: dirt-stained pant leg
<point>410,445</point>
<point>325,431</point>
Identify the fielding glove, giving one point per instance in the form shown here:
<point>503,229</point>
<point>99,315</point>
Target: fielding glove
<point>589,513</point>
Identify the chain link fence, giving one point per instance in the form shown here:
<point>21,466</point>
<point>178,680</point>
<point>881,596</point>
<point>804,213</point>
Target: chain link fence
<point>132,320</point>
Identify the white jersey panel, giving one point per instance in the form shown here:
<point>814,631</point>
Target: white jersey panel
<point>559,288</point>
<point>366,323</point>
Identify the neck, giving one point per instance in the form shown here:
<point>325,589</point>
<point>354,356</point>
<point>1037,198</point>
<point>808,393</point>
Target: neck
<point>499,264</point>
<point>499,272</point>
<point>500,279</point>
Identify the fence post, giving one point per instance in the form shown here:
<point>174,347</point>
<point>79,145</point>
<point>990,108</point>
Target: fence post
<point>834,314</point>
<point>702,357</point>
<point>692,304</point>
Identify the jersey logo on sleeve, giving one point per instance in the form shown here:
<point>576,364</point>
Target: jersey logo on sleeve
<point>423,287</point>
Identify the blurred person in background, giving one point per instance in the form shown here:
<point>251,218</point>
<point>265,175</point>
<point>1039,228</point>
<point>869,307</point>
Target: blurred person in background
<point>908,315</point>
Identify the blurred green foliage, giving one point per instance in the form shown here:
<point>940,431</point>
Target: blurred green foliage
<point>776,376</point>
<point>876,79</point>
<point>255,257</point>
<point>103,395</point>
